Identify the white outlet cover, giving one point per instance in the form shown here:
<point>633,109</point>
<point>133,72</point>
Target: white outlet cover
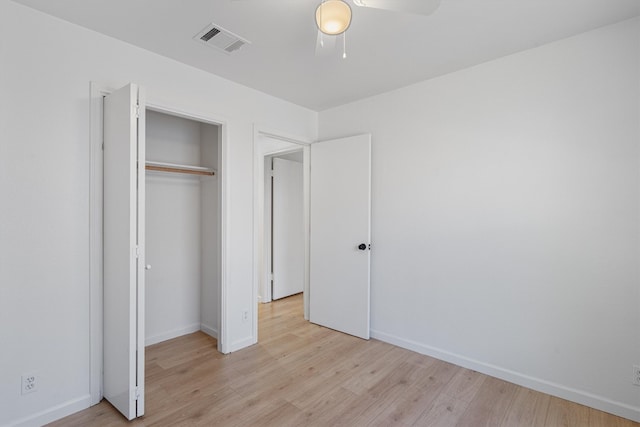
<point>29,383</point>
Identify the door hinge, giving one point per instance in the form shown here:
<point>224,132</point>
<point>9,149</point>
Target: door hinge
<point>137,251</point>
<point>137,111</point>
<point>137,391</point>
<point>271,276</point>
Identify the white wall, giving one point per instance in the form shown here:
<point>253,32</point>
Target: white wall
<point>506,223</point>
<point>44,185</point>
<point>173,242</point>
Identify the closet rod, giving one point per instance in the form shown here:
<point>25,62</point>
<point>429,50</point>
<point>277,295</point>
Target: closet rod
<point>176,168</point>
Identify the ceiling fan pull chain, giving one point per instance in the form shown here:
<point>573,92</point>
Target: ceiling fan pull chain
<point>344,45</point>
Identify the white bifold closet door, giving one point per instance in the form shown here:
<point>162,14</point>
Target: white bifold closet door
<point>124,179</point>
<point>287,228</point>
<point>340,234</point>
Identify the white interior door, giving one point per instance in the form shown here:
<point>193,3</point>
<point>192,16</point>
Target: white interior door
<point>123,363</point>
<point>340,234</point>
<point>287,229</point>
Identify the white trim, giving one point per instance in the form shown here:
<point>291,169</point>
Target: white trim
<point>240,344</point>
<point>223,224</point>
<point>174,333</point>
<point>259,273</point>
<point>306,178</point>
<point>265,278</point>
<point>212,332</point>
<point>96,95</point>
<point>54,413</point>
<point>548,387</point>
<point>280,135</point>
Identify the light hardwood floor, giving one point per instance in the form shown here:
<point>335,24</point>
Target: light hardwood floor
<point>305,375</point>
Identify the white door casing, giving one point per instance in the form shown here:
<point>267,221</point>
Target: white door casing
<point>124,154</point>
<point>288,228</point>
<point>340,224</point>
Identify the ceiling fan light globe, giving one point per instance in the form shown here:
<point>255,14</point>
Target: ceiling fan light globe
<point>333,17</point>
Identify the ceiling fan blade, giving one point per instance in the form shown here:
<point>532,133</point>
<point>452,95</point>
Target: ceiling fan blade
<point>325,44</point>
<point>418,7</point>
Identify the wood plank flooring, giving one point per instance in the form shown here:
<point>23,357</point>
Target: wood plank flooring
<point>305,375</point>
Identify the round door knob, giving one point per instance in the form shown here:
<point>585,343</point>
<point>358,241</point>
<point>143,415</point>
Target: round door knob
<point>362,246</point>
<point>147,267</point>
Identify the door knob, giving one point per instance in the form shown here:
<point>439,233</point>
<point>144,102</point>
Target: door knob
<point>362,246</point>
<point>147,267</point>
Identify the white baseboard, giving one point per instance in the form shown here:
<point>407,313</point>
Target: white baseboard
<point>554,389</point>
<point>239,345</point>
<point>54,413</point>
<point>212,332</point>
<point>174,333</point>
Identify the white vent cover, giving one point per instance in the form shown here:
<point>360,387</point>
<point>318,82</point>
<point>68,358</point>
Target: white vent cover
<point>217,37</point>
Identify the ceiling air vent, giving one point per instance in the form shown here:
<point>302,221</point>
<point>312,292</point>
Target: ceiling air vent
<point>217,37</point>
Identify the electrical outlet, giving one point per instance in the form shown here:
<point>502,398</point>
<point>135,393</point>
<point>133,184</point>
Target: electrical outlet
<point>636,374</point>
<point>29,383</point>
<point>245,315</point>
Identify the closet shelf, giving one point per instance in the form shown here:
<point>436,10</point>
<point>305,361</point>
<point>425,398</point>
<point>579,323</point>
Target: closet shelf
<point>177,168</point>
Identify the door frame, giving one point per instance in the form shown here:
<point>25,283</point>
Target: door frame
<point>260,153</point>
<point>97,93</point>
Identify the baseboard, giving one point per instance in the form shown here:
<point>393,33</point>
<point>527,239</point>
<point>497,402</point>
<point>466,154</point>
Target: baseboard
<point>239,345</point>
<point>212,332</point>
<point>174,333</point>
<point>54,413</point>
<point>554,389</point>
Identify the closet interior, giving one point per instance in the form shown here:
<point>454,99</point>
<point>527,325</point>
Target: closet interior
<point>182,227</point>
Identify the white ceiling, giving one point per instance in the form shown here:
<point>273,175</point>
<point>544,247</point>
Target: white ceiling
<point>385,50</point>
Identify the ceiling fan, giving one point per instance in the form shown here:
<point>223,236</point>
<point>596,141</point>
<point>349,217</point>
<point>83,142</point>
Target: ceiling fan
<point>333,17</point>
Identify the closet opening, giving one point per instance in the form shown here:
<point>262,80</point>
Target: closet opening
<point>182,236</point>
